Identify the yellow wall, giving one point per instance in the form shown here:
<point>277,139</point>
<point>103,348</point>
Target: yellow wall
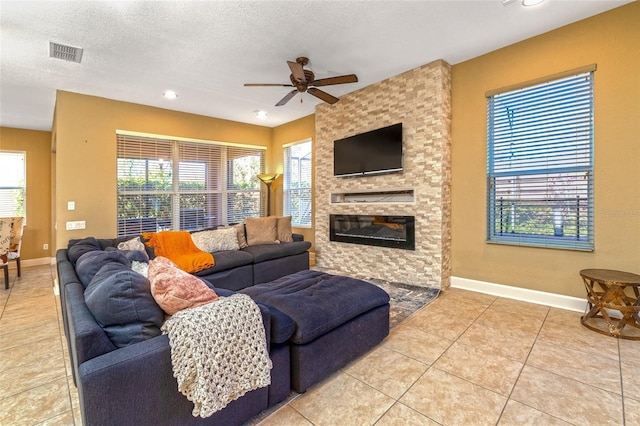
<point>294,131</point>
<point>609,40</point>
<point>85,159</point>
<point>37,146</point>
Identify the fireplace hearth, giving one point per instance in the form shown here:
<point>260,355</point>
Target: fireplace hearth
<point>383,231</point>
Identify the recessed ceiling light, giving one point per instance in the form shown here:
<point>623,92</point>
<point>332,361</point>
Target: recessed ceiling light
<point>170,94</point>
<point>262,115</point>
<point>528,3</point>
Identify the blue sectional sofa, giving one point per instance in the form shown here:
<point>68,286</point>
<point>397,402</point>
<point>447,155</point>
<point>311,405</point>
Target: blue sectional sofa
<point>123,372</point>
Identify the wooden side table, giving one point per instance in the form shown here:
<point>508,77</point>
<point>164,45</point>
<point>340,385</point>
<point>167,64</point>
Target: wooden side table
<point>606,290</point>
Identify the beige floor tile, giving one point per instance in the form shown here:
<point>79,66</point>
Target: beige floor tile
<point>65,419</point>
<point>631,411</point>
<point>567,399</point>
<point>388,371</point>
<point>13,322</point>
<point>401,415</point>
<point>518,307</point>
<point>576,336</point>
<point>10,337</point>
<point>485,369</point>
<point>514,345</point>
<point>479,299</point>
<point>631,379</point>
<point>508,322</point>
<point>286,416</point>
<point>27,376</point>
<point>602,372</point>
<point>441,322</point>
<point>517,414</point>
<point>36,404</point>
<point>31,352</point>
<point>417,344</point>
<point>562,316</point>
<point>342,400</point>
<point>450,400</point>
<point>630,351</point>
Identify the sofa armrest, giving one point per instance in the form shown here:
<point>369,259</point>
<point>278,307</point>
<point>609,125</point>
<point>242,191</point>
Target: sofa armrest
<point>297,237</point>
<point>135,385</point>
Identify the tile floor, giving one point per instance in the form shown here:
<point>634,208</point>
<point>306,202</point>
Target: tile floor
<point>465,359</point>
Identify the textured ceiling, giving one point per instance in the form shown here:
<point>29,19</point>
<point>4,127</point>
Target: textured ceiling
<point>206,50</point>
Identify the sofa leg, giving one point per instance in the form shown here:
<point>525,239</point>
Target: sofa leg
<point>6,276</point>
<point>18,266</point>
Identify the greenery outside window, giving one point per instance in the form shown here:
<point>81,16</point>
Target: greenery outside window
<point>13,184</point>
<point>540,164</point>
<point>297,183</point>
<point>179,184</point>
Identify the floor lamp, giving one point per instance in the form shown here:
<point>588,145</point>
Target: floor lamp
<point>268,179</point>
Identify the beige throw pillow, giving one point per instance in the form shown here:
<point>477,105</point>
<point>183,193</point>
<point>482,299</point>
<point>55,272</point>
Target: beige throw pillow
<point>262,230</point>
<point>285,234</point>
<point>242,239</point>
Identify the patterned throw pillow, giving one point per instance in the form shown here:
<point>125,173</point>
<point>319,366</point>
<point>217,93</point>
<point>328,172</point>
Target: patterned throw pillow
<point>174,289</point>
<point>218,240</point>
<point>133,244</point>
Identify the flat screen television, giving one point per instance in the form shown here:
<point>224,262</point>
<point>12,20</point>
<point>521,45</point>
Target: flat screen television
<point>377,151</point>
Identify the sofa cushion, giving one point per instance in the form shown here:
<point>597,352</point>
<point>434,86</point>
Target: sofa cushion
<point>227,260</point>
<point>91,262</point>
<point>265,252</point>
<point>285,234</point>
<point>318,302</point>
<point>121,302</point>
<point>218,240</point>
<point>174,289</point>
<point>262,230</point>
<point>79,247</point>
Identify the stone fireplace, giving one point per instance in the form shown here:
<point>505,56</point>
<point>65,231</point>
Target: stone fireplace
<point>373,230</point>
<point>421,100</point>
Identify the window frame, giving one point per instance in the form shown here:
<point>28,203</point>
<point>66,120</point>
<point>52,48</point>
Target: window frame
<point>189,206</point>
<point>289,192</point>
<point>20,209</point>
<point>540,164</point>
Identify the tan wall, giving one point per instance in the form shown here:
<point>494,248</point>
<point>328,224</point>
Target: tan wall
<point>609,40</point>
<point>37,146</point>
<point>295,131</point>
<point>85,160</point>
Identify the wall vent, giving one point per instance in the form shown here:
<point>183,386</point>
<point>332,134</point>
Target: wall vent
<point>64,52</point>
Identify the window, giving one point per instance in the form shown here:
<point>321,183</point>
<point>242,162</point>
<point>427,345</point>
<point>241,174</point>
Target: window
<point>540,164</point>
<point>179,184</point>
<point>297,183</point>
<point>13,184</point>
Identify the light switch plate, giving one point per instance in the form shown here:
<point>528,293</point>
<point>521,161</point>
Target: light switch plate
<point>71,205</point>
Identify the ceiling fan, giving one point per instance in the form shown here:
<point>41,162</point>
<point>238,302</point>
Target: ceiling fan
<point>304,81</point>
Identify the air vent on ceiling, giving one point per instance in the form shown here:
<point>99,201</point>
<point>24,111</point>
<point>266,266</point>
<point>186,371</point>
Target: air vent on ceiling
<point>64,52</point>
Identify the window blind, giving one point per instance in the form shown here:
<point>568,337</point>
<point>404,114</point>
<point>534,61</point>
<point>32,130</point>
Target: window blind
<point>540,164</point>
<point>297,183</point>
<point>184,185</point>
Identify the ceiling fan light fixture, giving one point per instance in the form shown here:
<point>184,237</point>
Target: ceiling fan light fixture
<point>170,94</point>
<point>529,3</point>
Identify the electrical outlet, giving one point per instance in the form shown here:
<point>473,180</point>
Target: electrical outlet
<point>78,224</point>
<point>45,247</point>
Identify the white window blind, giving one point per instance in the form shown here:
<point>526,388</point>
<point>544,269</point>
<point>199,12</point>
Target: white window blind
<point>13,184</point>
<point>540,164</point>
<point>184,185</point>
<point>297,183</point>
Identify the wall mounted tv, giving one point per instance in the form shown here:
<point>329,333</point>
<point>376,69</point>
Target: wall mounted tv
<point>377,151</point>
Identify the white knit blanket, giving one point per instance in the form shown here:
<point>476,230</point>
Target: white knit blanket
<point>219,352</point>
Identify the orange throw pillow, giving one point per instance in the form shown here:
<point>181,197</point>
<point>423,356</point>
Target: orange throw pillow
<point>174,289</point>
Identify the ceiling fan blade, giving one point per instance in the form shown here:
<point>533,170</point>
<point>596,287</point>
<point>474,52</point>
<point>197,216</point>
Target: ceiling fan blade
<point>267,84</point>
<point>330,99</point>
<point>297,71</point>
<point>284,100</point>
<point>342,79</point>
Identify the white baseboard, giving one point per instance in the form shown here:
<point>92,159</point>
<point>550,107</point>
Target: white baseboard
<point>524,294</point>
<point>36,262</point>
